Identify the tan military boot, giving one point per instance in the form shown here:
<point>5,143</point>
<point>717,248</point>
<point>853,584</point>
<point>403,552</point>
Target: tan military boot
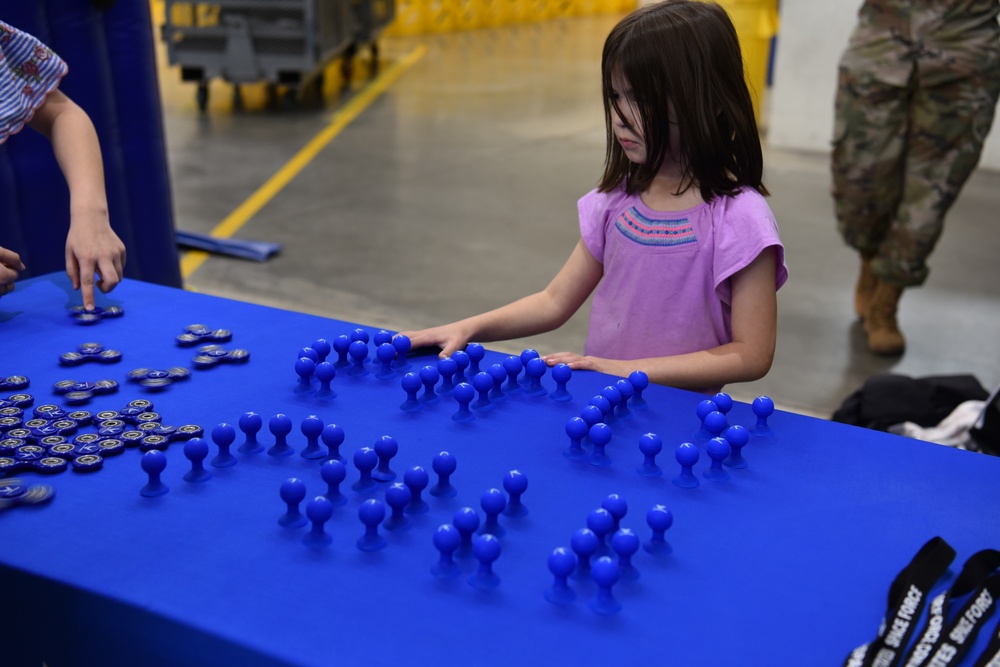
<point>865,286</point>
<point>884,336</point>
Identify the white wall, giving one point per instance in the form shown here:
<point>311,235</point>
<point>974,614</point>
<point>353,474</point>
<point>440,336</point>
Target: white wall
<point>811,38</point>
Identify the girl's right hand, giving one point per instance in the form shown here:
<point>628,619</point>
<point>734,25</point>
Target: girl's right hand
<point>448,337</point>
<point>10,265</point>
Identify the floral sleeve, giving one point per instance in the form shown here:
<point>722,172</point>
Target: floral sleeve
<point>29,71</point>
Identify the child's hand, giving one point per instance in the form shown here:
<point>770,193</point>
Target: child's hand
<point>93,247</point>
<point>448,337</point>
<point>575,361</point>
<point>10,264</point>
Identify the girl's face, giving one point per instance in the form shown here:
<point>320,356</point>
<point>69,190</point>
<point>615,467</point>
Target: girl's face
<point>626,121</point>
<point>628,125</point>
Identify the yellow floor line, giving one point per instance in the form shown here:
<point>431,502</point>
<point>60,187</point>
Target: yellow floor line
<point>191,260</point>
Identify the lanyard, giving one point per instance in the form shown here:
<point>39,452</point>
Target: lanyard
<point>907,596</point>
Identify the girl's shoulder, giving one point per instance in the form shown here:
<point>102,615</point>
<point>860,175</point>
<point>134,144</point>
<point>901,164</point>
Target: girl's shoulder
<point>595,200</point>
<point>29,71</point>
<point>745,202</point>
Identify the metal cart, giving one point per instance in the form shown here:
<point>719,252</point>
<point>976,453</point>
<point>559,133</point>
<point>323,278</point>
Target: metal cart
<point>281,42</point>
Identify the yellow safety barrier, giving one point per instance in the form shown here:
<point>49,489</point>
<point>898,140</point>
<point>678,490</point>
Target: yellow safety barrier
<point>756,23</point>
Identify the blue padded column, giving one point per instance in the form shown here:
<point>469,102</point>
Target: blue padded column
<point>112,76</point>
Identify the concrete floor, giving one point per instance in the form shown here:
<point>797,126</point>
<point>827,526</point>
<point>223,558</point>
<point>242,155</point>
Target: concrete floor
<point>455,192</point>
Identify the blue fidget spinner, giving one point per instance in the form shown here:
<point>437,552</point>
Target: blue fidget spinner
<point>81,315</point>
<point>90,352</point>
<point>199,333</point>
<point>210,356</point>
<point>15,382</point>
<point>17,401</point>
<point>14,492</point>
<point>157,380</point>
<point>78,393</point>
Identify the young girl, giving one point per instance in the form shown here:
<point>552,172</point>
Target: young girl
<point>29,78</point>
<point>677,239</point>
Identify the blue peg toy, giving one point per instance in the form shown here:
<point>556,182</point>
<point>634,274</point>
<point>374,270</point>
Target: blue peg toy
<point>650,445</point>
<point>416,480</point>
<point>358,352</point>
<point>447,368</point>
<point>429,376</point>
<point>639,382</point>
<point>464,393</point>
<point>153,463</point>
<point>342,345</point>
<point>318,512</point>
<point>304,368</point>
<point>687,455</point>
<point>397,497</point>
<point>515,483</point>
<point>444,465</point>
<point>737,437</point>
<point>223,436</point>
<point>365,460</point>
<point>385,353</point>
<point>446,540</point>
<point>322,347</point>
<point>251,423</point>
<point>402,345</point>
<point>476,354</point>
<point>280,426</point>
<point>584,544</point>
<point>763,407</point>
<point>562,562</point>
<point>371,513</point>
<point>196,450</point>
<point>561,374</point>
<point>625,543</point>
<point>333,437</point>
<point>333,472</point>
<point>386,448</point>
<point>512,366</point>
<point>292,492</point>
<point>600,435</point>
<point>411,385</point>
<point>312,428</point>
<point>605,573</point>
<point>486,549</point>
<point>718,449</point>
<point>577,430</point>
<point>325,372</point>
<point>535,370</point>
<point>493,503</point>
<point>659,519</point>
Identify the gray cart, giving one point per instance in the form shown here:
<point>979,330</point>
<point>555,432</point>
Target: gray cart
<point>280,42</point>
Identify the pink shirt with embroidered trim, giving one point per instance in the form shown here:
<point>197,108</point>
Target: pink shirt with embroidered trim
<point>665,289</point>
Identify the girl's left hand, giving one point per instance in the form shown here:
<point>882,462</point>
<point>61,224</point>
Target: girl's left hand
<point>574,361</point>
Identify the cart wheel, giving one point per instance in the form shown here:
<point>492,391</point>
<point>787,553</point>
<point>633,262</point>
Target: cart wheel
<point>201,96</point>
<point>237,98</point>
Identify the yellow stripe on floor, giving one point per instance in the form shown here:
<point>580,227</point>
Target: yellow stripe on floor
<point>191,260</point>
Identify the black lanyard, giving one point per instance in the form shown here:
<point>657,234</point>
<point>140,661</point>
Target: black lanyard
<point>907,597</point>
<point>944,643</point>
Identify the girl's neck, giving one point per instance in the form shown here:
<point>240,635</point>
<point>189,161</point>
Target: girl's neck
<point>661,195</point>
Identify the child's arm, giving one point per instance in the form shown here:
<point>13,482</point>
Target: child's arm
<point>91,245</point>
<point>10,264</point>
<point>537,313</point>
<point>748,357</point>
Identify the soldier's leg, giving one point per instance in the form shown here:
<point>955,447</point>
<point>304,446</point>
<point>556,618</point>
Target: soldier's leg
<point>867,166</point>
<point>867,160</point>
<point>948,127</point>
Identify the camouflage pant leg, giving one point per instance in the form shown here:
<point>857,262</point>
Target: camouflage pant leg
<point>948,125</point>
<point>869,146</point>
<point>900,160</point>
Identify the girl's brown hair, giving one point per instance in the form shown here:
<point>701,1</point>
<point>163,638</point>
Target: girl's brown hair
<point>685,53</point>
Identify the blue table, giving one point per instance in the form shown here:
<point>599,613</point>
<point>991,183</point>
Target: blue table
<point>787,562</point>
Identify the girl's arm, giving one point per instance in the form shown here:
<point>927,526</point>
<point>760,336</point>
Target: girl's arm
<point>91,245</point>
<point>748,357</point>
<point>537,313</point>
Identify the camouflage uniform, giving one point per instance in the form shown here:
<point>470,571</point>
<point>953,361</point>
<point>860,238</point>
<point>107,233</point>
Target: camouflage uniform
<point>918,86</point>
